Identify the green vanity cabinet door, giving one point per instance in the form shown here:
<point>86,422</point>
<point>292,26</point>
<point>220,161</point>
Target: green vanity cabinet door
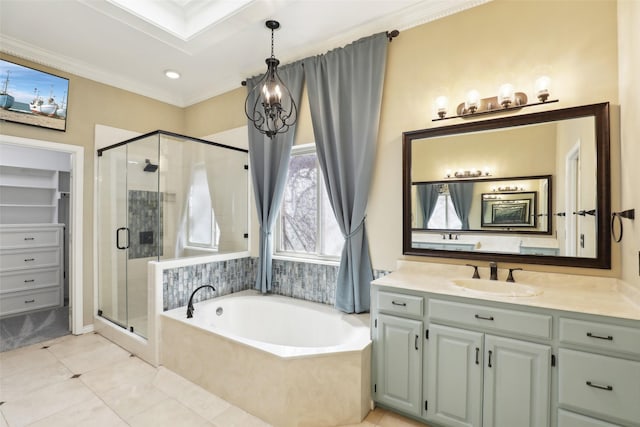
<point>454,386</point>
<point>517,377</point>
<point>398,350</point>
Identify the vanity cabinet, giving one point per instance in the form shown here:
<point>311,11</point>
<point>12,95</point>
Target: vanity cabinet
<point>478,379</point>
<point>397,338</point>
<point>596,376</point>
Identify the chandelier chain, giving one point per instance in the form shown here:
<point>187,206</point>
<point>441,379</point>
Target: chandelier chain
<point>272,44</point>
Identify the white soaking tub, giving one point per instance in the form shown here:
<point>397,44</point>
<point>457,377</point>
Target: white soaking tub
<point>287,361</point>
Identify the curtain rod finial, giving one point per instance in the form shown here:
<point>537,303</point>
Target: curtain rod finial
<point>392,34</point>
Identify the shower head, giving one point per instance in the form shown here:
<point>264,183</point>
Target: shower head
<point>149,167</point>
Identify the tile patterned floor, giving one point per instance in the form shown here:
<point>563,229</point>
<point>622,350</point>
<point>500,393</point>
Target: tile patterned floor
<point>89,381</point>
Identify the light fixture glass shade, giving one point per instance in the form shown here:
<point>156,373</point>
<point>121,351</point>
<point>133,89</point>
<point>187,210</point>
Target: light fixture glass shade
<point>473,101</point>
<point>441,106</point>
<point>506,95</point>
<point>542,88</point>
<point>269,104</point>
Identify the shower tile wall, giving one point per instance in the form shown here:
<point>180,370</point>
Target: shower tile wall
<point>302,280</point>
<point>145,232</point>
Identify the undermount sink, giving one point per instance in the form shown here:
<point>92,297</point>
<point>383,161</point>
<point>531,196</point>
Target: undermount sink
<point>496,287</point>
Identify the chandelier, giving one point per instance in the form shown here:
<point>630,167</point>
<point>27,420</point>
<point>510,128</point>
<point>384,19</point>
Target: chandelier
<point>272,110</point>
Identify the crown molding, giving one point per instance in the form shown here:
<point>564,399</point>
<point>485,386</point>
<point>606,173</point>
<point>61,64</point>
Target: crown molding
<point>34,54</point>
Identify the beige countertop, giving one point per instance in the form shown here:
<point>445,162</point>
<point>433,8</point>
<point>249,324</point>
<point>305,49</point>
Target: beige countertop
<point>582,294</point>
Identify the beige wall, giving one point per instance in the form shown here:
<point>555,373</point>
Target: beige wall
<point>92,103</point>
<point>576,46</point>
<point>574,42</point>
<point>629,47</point>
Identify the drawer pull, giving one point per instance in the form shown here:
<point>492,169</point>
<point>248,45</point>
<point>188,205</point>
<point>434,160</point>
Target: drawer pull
<point>29,281</point>
<point>490,353</point>
<point>477,356</point>
<point>416,344</point>
<point>29,259</point>
<point>401,304</point>
<point>477,316</point>
<point>29,238</point>
<point>29,301</point>
<point>601,387</point>
<point>600,337</point>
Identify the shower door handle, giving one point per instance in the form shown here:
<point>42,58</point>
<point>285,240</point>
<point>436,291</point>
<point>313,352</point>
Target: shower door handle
<point>118,238</point>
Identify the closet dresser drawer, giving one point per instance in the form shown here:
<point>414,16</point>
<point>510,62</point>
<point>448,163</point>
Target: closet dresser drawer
<point>600,336</point>
<point>392,302</point>
<point>29,237</point>
<point>600,385</point>
<point>31,258</point>
<point>490,318</point>
<point>28,279</point>
<point>17,302</point>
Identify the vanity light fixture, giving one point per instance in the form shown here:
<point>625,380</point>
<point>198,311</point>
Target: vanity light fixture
<point>471,173</point>
<point>273,110</point>
<point>506,100</point>
<point>508,188</point>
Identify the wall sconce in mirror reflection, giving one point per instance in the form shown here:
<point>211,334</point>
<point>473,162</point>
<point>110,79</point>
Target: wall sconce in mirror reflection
<point>616,218</point>
<point>471,173</point>
<point>507,99</point>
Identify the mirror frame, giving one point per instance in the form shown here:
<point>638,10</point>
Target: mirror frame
<point>600,113</point>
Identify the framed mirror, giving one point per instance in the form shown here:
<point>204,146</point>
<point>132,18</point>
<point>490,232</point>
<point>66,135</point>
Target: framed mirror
<point>532,188</point>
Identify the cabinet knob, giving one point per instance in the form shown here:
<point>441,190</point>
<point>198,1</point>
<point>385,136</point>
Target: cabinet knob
<point>29,301</point>
<point>29,259</point>
<point>29,238</point>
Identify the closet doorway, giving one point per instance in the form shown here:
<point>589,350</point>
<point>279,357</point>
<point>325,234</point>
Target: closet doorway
<point>40,240</point>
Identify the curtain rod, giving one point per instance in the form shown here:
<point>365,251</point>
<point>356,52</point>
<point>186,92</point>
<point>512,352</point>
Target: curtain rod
<point>390,35</point>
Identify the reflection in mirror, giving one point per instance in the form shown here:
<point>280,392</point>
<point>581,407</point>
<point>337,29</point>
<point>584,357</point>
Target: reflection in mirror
<point>534,184</point>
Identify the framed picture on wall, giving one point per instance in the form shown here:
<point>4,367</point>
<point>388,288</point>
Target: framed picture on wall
<point>33,97</point>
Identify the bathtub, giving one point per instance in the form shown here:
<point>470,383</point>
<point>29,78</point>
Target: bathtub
<point>287,361</point>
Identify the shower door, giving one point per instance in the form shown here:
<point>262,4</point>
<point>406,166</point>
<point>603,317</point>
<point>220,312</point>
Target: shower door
<point>129,220</point>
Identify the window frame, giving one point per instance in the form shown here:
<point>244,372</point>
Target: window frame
<point>318,257</point>
<point>214,245</point>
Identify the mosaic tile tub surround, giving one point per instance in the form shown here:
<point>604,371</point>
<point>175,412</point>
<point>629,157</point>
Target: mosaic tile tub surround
<point>296,279</point>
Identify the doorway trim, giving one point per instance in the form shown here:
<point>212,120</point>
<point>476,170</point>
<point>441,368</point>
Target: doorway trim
<point>75,219</point>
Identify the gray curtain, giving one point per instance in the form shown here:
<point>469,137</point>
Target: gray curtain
<point>269,159</point>
<point>427,199</point>
<point>345,93</point>
<point>461,197</point>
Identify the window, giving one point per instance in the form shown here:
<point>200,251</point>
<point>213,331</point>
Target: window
<point>203,228</point>
<point>444,215</point>
<point>307,226</point>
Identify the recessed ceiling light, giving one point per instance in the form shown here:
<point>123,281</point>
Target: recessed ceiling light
<point>172,74</point>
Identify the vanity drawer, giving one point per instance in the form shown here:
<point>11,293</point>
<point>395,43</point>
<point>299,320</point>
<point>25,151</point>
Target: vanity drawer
<point>29,279</point>
<point>392,302</point>
<point>569,419</point>
<point>600,336</point>
<point>29,258</point>
<point>29,238</point>
<point>490,318</point>
<point>18,302</point>
<point>600,385</point>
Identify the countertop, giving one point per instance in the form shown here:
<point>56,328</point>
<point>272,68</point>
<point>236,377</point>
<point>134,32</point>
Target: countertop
<point>583,294</point>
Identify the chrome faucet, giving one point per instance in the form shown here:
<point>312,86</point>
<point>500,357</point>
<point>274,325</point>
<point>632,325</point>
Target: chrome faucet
<point>190,308</point>
<point>494,271</point>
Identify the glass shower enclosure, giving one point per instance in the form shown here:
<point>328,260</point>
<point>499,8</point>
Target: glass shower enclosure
<point>163,196</point>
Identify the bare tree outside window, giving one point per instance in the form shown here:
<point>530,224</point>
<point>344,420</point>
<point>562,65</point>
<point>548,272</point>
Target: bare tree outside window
<point>307,224</point>
<point>299,214</point>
